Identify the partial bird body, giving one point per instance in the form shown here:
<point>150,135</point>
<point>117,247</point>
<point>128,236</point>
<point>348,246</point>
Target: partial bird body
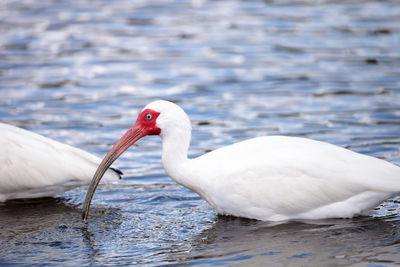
<point>280,178</point>
<point>32,165</point>
<point>269,178</point>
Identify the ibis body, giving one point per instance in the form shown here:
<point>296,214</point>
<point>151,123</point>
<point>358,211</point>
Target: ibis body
<point>270,178</point>
<point>32,165</point>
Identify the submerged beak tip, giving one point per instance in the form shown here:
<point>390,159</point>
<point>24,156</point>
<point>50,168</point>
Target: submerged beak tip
<point>129,138</point>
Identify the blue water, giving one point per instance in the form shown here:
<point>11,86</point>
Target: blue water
<point>80,71</point>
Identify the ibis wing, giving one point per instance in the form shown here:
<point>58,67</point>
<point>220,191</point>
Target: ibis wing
<point>284,177</point>
<point>33,165</point>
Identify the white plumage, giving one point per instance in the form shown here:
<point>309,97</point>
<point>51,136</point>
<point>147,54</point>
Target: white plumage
<point>32,165</point>
<point>281,178</point>
<point>267,178</point>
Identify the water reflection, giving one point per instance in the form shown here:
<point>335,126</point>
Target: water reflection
<point>239,241</point>
<point>51,228</point>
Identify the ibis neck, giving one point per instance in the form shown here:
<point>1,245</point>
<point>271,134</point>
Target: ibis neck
<point>175,146</point>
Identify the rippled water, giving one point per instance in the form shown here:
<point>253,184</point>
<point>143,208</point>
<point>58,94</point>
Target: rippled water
<point>79,72</point>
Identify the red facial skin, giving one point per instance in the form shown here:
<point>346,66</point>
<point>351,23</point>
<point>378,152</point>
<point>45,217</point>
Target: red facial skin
<point>145,125</point>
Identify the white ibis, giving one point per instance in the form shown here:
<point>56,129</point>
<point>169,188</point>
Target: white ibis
<point>32,165</point>
<point>268,178</point>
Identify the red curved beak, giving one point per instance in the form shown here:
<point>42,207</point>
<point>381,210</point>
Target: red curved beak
<point>128,139</point>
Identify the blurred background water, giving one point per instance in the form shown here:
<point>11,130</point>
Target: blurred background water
<point>80,71</point>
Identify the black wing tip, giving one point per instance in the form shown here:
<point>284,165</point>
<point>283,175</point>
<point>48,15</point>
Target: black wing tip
<point>117,171</point>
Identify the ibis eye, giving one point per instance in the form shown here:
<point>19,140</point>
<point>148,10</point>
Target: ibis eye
<point>148,117</point>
